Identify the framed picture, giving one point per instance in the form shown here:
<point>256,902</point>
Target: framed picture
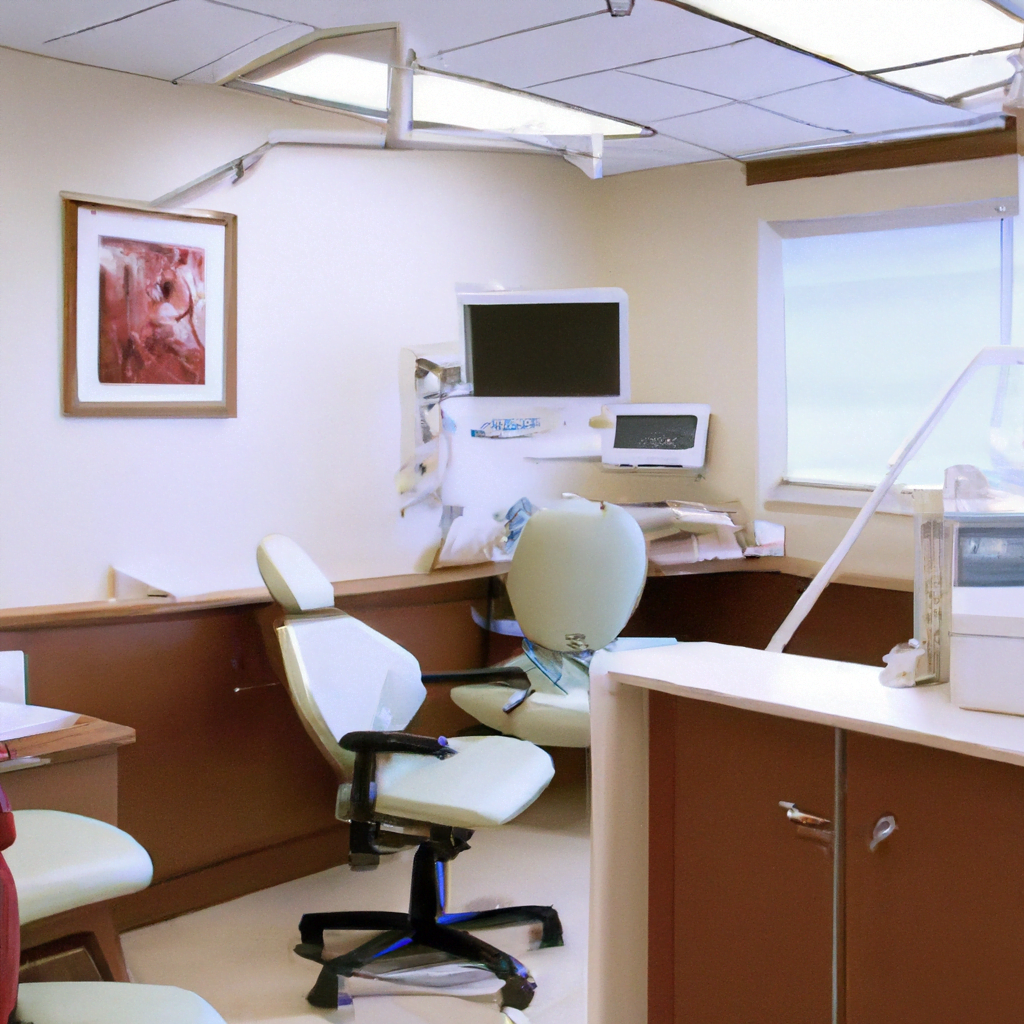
<point>149,310</point>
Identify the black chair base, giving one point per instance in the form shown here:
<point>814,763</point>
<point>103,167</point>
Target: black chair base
<point>425,926</point>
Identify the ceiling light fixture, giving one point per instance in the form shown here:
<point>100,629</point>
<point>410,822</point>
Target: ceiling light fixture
<point>350,83</point>
<point>956,78</point>
<point>444,100</point>
<point>874,35</point>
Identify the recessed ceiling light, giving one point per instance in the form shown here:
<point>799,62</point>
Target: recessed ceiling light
<point>872,35</point>
<point>455,102</point>
<point>960,76</point>
<point>352,83</point>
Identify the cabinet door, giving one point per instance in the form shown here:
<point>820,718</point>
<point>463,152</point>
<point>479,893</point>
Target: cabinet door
<point>750,894</point>
<point>935,914</point>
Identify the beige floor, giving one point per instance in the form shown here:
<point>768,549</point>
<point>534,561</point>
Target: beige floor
<point>238,955</point>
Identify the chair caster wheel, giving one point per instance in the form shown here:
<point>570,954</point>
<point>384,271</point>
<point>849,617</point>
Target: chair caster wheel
<point>517,994</point>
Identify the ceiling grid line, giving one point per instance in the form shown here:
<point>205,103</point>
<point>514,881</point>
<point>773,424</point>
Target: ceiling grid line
<point>517,32</point>
<point>111,21</point>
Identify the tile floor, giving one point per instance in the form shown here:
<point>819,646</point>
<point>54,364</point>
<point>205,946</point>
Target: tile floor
<point>238,955</point>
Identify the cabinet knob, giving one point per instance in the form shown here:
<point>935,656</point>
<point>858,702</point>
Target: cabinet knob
<point>884,828</point>
<point>802,818</point>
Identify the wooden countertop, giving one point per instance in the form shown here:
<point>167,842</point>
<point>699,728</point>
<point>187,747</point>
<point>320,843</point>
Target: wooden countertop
<point>833,693</point>
<point>85,612</point>
<point>86,738</point>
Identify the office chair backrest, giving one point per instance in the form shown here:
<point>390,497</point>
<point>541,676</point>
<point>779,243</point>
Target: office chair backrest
<point>342,675</point>
<point>10,935</point>
<point>291,576</point>
<point>577,574</point>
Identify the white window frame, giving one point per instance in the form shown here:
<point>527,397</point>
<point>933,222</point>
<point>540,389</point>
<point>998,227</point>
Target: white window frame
<point>777,492</point>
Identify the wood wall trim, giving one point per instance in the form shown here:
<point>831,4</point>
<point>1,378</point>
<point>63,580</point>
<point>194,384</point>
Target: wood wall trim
<point>361,593</point>
<point>84,613</point>
<point>876,156</point>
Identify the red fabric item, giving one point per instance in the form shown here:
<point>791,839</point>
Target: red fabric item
<point>10,934</point>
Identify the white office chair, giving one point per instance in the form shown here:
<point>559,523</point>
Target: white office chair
<point>72,1002</point>
<point>577,574</point>
<point>67,868</point>
<point>350,686</point>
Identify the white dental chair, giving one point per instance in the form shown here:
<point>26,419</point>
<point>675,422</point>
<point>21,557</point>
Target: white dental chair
<point>351,686</point>
<point>577,574</point>
<point>73,1002</point>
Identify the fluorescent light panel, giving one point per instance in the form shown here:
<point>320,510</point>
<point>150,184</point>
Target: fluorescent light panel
<point>957,77</point>
<point>439,99</point>
<point>350,82</point>
<point>872,35</point>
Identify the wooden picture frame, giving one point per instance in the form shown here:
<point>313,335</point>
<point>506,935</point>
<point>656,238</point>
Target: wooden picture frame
<point>149,310</point>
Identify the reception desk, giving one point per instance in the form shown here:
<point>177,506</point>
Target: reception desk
<point>756,914</point>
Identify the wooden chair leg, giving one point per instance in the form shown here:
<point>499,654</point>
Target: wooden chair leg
<point>94,924</point>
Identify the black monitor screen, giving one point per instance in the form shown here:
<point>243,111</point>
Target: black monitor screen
<point>543,350</point>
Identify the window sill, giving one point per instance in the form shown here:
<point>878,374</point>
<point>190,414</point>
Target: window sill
<point>799,495</point>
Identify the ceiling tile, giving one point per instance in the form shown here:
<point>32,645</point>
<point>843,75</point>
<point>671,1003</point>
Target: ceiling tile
<point>430,27</point>
<point>739,129</point>
<point>225,66</point>
<point>863,106</point>
<point>166,41</point>
<point>749,68</point>
<point>624,155</point>
<point>600,43</point>
<point>27,24</point>
<point>630,97</point>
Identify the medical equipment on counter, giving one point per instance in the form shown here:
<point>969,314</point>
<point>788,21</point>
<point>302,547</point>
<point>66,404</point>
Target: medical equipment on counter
<point>655,434</point>
<point>986,642</point>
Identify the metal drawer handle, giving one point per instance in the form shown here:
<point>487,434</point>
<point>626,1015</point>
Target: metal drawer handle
<point>884,828</point>
<point>801,818</point>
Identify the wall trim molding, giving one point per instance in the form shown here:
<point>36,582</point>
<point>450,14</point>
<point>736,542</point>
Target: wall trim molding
<point>877,156</point>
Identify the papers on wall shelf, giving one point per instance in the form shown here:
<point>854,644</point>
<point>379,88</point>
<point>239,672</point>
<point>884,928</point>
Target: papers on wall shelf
<point>18,720</point>
<point>684,532</point>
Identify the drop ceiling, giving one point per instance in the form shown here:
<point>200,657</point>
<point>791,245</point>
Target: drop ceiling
<point>709,90</point>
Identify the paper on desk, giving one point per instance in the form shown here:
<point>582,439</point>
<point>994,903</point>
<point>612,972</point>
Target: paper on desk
<point>18,720</point>
<point>12,677</point>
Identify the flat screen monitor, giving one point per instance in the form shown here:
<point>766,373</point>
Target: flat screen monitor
<point>552,344</point>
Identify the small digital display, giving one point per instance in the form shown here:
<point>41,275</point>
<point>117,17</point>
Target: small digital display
<point>655,433</point>
<point>990,557</point>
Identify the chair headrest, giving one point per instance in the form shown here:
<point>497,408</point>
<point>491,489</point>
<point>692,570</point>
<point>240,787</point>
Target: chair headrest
<point>577,574</point>
<point>291,576</point>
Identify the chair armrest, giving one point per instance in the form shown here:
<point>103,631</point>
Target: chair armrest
<point>510,675</point>
<point>395,743</point>
<point>367,745</point>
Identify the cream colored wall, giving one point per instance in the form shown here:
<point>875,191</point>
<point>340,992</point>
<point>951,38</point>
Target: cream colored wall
<point>683,242</point>
<point>344,257</point>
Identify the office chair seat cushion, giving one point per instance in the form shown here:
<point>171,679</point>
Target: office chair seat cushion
<point>550,719</point>
<point>62,861</point>
<point>97,1002</point>
<point>490,781</point>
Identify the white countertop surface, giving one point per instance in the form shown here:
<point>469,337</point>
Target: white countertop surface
<point>833,693</point>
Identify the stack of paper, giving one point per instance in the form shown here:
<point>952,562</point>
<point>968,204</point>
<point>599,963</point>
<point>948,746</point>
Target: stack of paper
<point>18,720</point>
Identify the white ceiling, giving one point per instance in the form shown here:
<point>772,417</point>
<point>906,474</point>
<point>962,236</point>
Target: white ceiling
<point>708,89</point>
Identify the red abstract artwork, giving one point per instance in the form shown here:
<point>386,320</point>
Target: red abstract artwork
<point>152,313</point>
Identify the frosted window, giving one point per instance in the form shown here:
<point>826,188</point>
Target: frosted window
<point>878,324</point>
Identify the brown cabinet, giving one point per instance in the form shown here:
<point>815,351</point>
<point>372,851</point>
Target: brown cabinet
<point>935,914</point>
<point>741,922</point>
<point>747,908</point>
